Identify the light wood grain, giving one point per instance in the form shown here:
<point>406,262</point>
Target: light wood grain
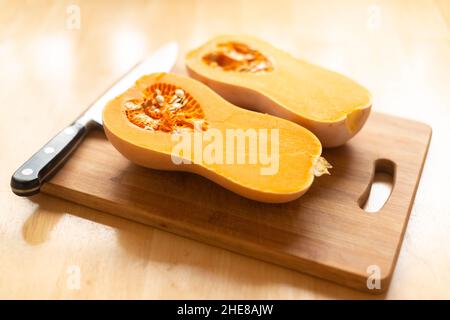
<point>399,49</point>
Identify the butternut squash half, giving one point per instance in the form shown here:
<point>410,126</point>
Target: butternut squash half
<point>253,74</point>
<point>172,122</point>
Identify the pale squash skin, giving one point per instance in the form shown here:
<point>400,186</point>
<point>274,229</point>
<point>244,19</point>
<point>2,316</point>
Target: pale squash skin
<point>299,149</point>
<point>332,106</point>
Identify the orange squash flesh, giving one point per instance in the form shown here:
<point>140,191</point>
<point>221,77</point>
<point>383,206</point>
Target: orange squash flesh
<point>253,74</point>
<point>153,146</point>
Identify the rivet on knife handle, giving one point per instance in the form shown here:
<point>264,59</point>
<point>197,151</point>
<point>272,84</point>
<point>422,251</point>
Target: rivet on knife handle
<point>28,179</point>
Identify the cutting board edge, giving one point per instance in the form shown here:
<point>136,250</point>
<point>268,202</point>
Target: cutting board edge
<point>316,269</point>
<point>429,133</point>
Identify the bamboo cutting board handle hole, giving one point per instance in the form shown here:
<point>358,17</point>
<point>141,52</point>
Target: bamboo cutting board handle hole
<point>380,187</point>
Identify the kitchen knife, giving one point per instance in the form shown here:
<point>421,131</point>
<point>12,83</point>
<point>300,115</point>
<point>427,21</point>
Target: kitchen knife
<point>28,179</point>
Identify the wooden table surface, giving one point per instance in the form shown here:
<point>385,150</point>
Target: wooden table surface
<point>52,67</point>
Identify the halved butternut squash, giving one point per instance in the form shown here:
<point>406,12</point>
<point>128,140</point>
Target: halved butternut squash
<point>253,74</point>
<point>172,122</point>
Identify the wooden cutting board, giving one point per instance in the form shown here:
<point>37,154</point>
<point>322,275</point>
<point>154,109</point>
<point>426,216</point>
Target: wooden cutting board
<point>325,233</point>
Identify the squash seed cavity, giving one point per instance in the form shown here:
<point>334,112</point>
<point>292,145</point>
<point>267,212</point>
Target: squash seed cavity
<point>238,57</point>
<point>166,108</point>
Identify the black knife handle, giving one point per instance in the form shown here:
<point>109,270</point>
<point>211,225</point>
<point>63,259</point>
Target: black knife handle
<point>27,180</point>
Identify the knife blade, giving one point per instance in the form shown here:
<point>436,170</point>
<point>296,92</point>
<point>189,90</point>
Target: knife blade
<point>29,177</point>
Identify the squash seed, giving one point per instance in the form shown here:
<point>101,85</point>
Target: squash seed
<point>179,93</point>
